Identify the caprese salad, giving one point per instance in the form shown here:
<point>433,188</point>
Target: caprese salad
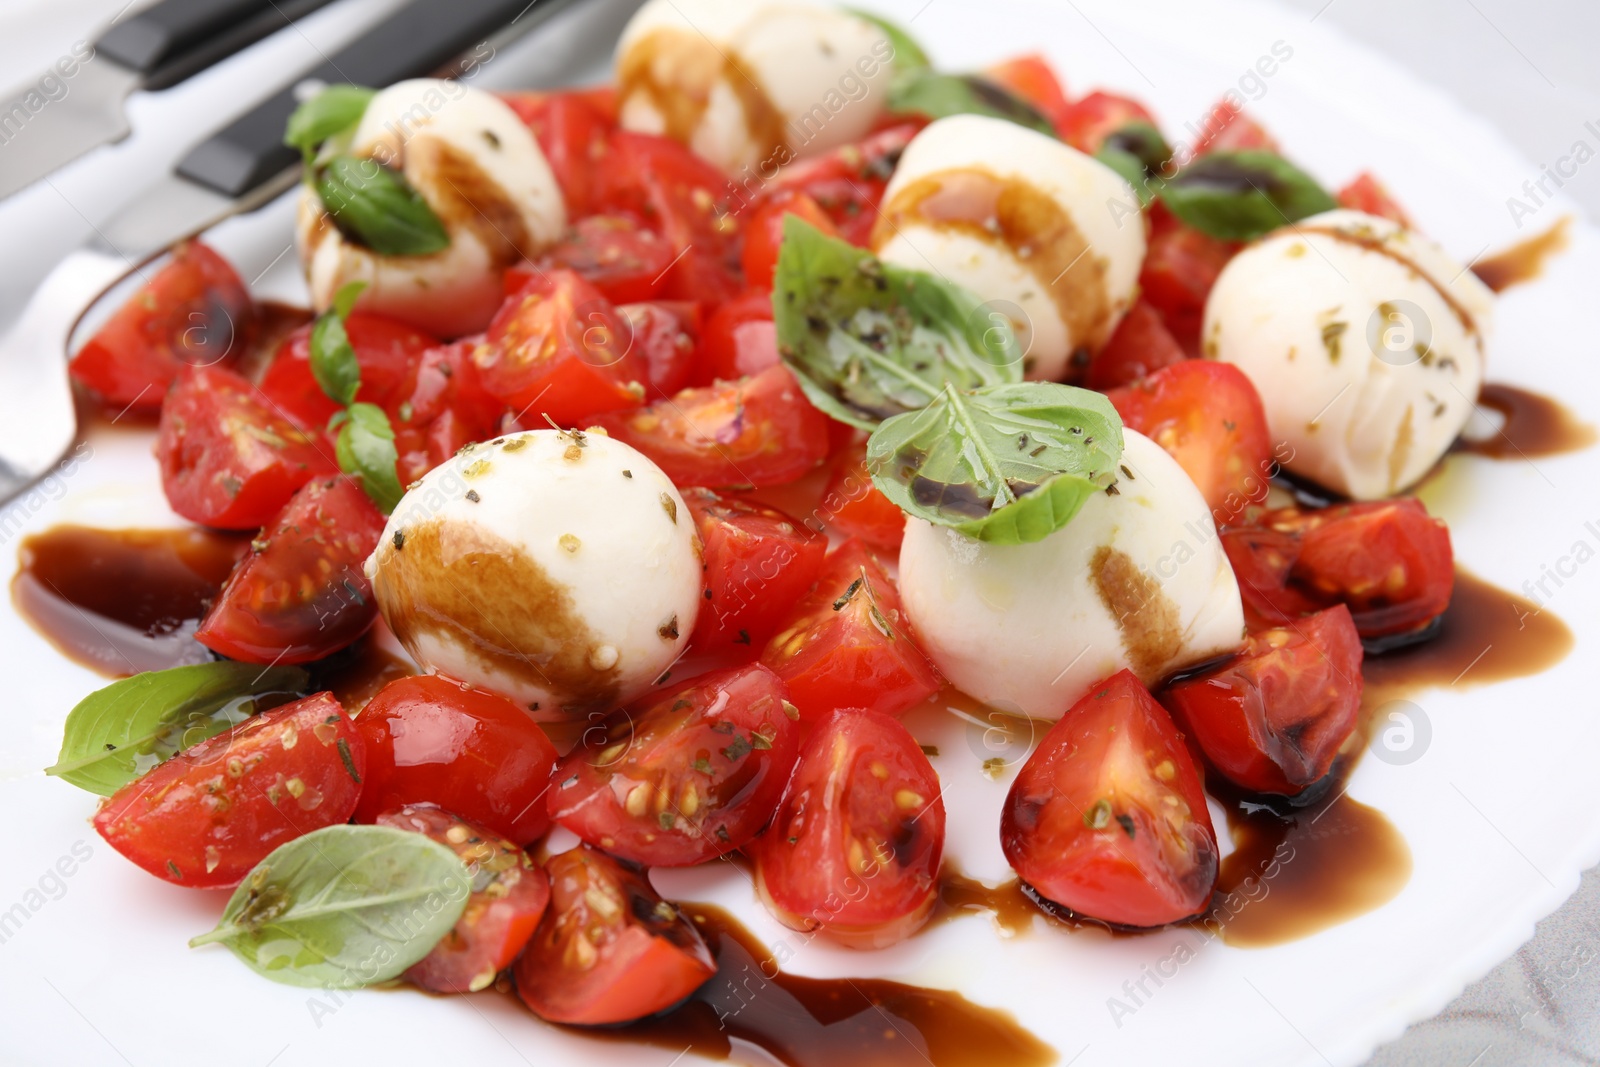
<point>1040,374</point>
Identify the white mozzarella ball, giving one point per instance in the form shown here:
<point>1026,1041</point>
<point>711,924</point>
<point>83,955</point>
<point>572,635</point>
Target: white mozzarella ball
<point>1036,228</point>
<point>480,170</point>
<point>1137,579</point>
<point>751,83</point>
<point>560,569</point>
<point>1366,341</point>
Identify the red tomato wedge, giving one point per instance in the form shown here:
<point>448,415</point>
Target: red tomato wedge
<point>759,431</point>
<point>229,460</point>
<point>301,593</point>
<point>663,335</point>
<point>854,849</point>
<point>855,507</point>
<point>763,233</point>
<point>387,351</point>
<point>1032,78</point>
<point>683,777</point>
<point>1208,417</point>
<point>1366,193</point>
<point>433,740</point>
<point>848,644</point>
<point>616,254</point>
<point>848,183</point>
<point>739,340</point>
<point>1273,718</point>
<point>1089,120</point>
<point>758,563</point>
<point>1180,267</point>
<point>209,814</point>
<point>441,406</point>
<point>609,950</point>
<point>1229,129</point>
<point>195,312</point>
<point>571,129</point>
<point>1140,345</point>
<point>508,898</point>
<point>1108,818</point>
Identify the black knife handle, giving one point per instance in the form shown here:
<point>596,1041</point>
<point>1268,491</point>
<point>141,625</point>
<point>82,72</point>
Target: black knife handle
<point>172,39</point>
<point>414,41</point>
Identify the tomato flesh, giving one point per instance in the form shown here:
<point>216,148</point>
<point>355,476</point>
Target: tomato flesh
<point>1366,193</point>
<point>616,254</point>
<point>663,335</point>
<point>856,508</point>
<point>758,563</point>
<point>848,183</point>
<point>740,339</point>
<point>763,233</point>
<point>440,407</point>
<point>387,352</point>
<point>1180,267</point>
<point>1229,129</point>
<point>208,815</point>
<point>571,129</point>
<point>1140,345</point>
<point>1108,818</point>
<point>1032,78</point>
<point>1089,120</point>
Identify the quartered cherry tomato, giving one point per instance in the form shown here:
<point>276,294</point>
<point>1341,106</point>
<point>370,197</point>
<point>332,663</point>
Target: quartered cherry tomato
<point>847,644</point>
<point>759,562</point>
<point>616,254</point>
<point>1108,817</point>
<point>685,777</point>
<point>440,407</point>
<point>227,459</point>
<point>854,849</point>
<point>855,507</point>
<point>1229,129</point>
<point>1089,120</point>
<point>848,183</point>
<point>1140,345</point>
<point>209,814</point>
<point>509,895</point>
<point>433,740</point>
<point>195,312</point>
<point>663,334</point>
<point>759,431</point>
<point>1180,267</point>
<point>763,233</point>
<point>1273,717</point>
<point>1032,78</point>
<point>386,350</point>
<point>571,129</point>
<point>1366,193</point>
<point>301,593</point>
<point>609,950</point>
<point>739,340</point>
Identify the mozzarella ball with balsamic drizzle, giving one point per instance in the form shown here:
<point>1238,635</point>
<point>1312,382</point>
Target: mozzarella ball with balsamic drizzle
<point>559,568</point>
<point>482,173</point>
<point>1366,341</point>
<point>1048,237</point>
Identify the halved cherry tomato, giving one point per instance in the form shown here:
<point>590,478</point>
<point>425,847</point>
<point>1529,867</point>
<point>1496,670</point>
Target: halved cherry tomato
<point>1209,418</point>
<point>848,644</point>
<point>615,254</point>
<point>1228,129</point>
<point>571,129</point>
<point>209,814</point>
<point>433,740</point>
<point>1032,78</point>
<point>1273,718</point>
<point>682,777</point>
<point>855,507</point>
<point>739,340</point>
<point>854,849</point>
<point>609,950</point>
<point>763,233</point>
<point>1179,270</point>
<point>1108,817</point>
<point>301,593</point>
<point>759,431</point>
<point>386,350</point>
<point>440,407</point>
<point>848,183</point>
<point>1389,561</point>
<point>1366,193</point>
<point>759,562</point>
<point>1140,345</point>
<point>508,898</point>
<point>195,312</point>
<point>559,348</point>
<point>663,334</point>
<point>227,459</point>
<point>1091,119</point>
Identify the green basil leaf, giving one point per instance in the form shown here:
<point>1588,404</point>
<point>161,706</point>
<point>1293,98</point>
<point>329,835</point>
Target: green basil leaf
<point>333,360</point>
<point>344,906</point>
<point>1241,195</point>
<point>1009,464</point>
<point>116,734</point>
<point>331,112</point>
<point>365,449</point>
<point>1138,153</point>
<point>869,340</point>
<point>375,206</point>
<point>927,92</point>
<point>908,54</point>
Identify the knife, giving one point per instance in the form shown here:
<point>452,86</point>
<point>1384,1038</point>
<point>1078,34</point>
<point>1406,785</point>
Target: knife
<point>76,104</point>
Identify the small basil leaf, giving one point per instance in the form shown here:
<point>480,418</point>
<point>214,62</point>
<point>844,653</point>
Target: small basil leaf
<point>927,92</point>
<point>116,734</point>
<point>1241,195</point>
<point>1009,464</point>
<point>1138,153</point>
<point>908,54</point>
<point>331,112</point>
<point>375,206</point>
<point>869,340</point>
<point>365,449</point>
<point>333,360</point>
<point>344,906</point>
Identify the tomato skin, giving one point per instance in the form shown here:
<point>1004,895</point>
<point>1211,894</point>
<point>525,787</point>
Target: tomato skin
<point>227,460</point>
<point>1108,817</point>
<point>1389,561</point>
<point>608,950</point>
<point>1140,345</point>
<point>848,183</point>
<point>758,563</point>
<point>1366,193</point>
<point>571,129</point>
<point>740,339</point>
<point>195,312</point>
<point>1228,129</point>
<point>763,233</point>
<point>616,254</point>
<point>194,821</point>
<point>1034,79</point>
<point>441,406</point>
<point>854,849</point>
<point>509,895</point>
<point>839,656</point>
<point>1180,267</point>
<point>433,740</point>
<point>386,350</point>
<point>759,431</point>
<point>1090,119</point>
<point>856,508</point>
<point>682,777</point>
<point>663,335</point>
<point>1273,718</point>
<point>559,349</point>
<point>1208,417</point>
<point>300,594</point>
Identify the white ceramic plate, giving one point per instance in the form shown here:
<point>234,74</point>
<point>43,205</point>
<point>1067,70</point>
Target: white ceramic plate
<point>1498,811</point>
